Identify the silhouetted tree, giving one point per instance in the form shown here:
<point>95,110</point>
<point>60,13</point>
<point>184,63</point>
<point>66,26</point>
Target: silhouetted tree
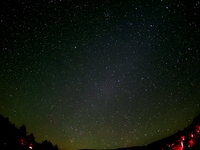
<point>55,147</point>
<point>22,131</point>
<point>47,145</point>
<point>12,138</point>
<point>32,137</point>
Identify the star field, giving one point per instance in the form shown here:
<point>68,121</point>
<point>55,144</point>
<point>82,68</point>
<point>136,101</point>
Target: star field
<point>100,74</point>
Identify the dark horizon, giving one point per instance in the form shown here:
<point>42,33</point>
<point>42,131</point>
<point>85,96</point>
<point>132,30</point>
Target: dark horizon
<point>18,138</point>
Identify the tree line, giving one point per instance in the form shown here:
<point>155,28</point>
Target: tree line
<point>12,137</point>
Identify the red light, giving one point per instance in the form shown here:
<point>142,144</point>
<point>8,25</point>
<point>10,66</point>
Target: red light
<point>191,143</point>
<point>182,138</point>
<point>22,141</point>
<point>31,146</point>
<point>197,131</point>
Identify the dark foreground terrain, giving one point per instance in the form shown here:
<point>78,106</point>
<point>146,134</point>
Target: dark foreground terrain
<point>188,139</point>
<point>14,138</point>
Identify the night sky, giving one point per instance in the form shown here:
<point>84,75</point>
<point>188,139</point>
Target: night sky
<point>100,74</point>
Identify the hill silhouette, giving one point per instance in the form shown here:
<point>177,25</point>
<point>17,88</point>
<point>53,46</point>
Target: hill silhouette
<point>12,137</point>
<point>188,139</point>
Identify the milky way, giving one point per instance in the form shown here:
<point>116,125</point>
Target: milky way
<point>100,74</point>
